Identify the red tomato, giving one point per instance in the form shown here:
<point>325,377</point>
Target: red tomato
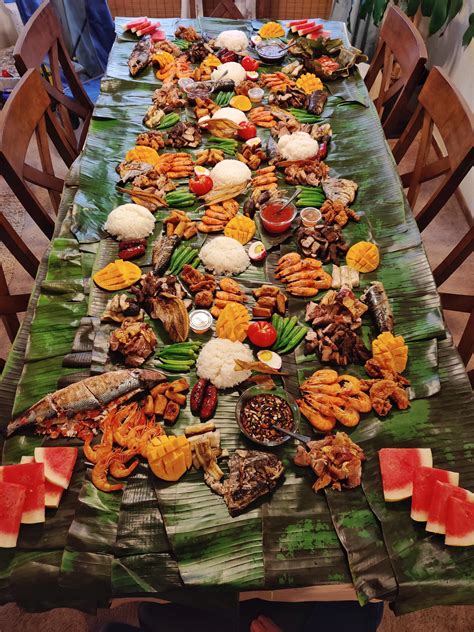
<point>200,185</point>
<point>262,334</point>
<point>247,130</point>
<point>249,64</point>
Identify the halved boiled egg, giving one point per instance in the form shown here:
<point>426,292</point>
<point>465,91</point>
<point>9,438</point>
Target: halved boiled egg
<point>270,358</point>
<point>257,251</point>
<point>199,170</point>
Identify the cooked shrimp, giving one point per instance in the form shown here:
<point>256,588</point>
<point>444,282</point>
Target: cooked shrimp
<point>360,401</point>
<point>303,291</point>
<point>118,461</point>
<point>347,415</point>
<point>323,423</point>
<point>288,259</point>
<point>281,272</point>
<point>323,376</point>
<point>350,384</point>
<point>99,475</point>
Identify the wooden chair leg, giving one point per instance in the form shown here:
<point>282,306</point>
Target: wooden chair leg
<point>466,344</point>
<point>455,258</point>
<point>10,321</point>
<point>457,302</point>
<point>17,247</point>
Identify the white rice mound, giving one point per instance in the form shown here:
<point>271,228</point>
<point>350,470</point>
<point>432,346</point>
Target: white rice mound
<point>230,172</point>
<point>224,255</point>
<point>232,39</point>
<point>130,221</point>
<point>217,360</point>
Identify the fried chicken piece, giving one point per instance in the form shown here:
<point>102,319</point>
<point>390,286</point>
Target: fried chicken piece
<point>204,299</point>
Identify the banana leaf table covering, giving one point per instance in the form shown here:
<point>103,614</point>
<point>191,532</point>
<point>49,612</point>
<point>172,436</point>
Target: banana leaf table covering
<point>178,541</point>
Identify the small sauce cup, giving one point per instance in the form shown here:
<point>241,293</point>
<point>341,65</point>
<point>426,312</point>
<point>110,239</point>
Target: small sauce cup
<point>275,221</point>
<point>310,216</point>
<point>255,95</point>
<point>200,321</point>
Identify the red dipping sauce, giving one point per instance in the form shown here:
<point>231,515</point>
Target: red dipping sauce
<point>275,221</point>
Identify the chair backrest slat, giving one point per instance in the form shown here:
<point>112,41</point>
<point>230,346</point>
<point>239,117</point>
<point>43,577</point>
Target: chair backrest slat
<point>24,117</point>
<point>40,40</point>
<point>442,108</point>
<point>399,42</point>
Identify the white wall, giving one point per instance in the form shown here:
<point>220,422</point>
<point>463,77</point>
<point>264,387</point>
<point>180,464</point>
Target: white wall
<point>447,51</point>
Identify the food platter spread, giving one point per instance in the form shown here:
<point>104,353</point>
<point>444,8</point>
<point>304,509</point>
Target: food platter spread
<point>243,286</point>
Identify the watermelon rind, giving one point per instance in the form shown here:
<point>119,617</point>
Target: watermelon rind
<point>459,523</point>
<point>423,484</point>
<point>52,492</point>
<point>400,463</point>
<point>12,500</point>
<point>436,521</point>
<point>58,464</point>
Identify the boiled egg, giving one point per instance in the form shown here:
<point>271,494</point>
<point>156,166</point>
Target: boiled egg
<point>270,358</point>
<point>257,251</point>
<point>199,170</point>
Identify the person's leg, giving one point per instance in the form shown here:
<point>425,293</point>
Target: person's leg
<point>155,617</point>
<point>344,616</point>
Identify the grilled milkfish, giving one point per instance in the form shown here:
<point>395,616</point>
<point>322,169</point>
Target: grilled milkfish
<point>162,251</point>
<point>92,394</point>
<point>140,56</point>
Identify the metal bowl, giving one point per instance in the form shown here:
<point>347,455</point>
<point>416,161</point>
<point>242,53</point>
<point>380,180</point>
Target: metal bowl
<point>253,391</point>
<point>274,59</point>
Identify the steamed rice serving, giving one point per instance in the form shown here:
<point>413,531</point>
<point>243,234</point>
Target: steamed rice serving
<point>130,221</point>
<point>224,255</point>
<point>216,362</point>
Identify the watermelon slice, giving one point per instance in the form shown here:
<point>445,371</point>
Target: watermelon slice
<point>459,522</point>
<point>31,476</point>
<point>310,28</point>
<point>12,501</point>
<point>143,25</point>
<point>52,493</point>
<point>397,466</point>
<point>58,464</point>
<point>158,36</point>
<point>423,484</point>
<point>134,23</point>
<point>436,522</point>
<point>151,28</point>
<point>317,34</point>
<point>294,26</point>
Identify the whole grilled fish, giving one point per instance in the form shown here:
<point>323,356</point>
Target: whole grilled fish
<point>376,298</point>
<point>92,393</point>
<point>162,251</point>
<point>140,56</point>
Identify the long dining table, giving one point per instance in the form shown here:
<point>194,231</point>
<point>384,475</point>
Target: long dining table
<point>178,541</point>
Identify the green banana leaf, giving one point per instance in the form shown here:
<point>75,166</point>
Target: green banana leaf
<point>155,537</point>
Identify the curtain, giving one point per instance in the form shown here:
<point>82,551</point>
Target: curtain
<point>363,33</point>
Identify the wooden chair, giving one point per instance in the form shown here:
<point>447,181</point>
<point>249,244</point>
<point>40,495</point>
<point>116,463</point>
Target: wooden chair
<point>226,9</point>
<point>440,106</point>
<point>40,40</point>
<point>399,43</point>
<point>215,9</point>
<point>24,117</point>
<point>12,305</point>
<point>459,302</point>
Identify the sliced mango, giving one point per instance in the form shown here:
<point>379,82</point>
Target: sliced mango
<point>169,457</point>
<point>117,275</point>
